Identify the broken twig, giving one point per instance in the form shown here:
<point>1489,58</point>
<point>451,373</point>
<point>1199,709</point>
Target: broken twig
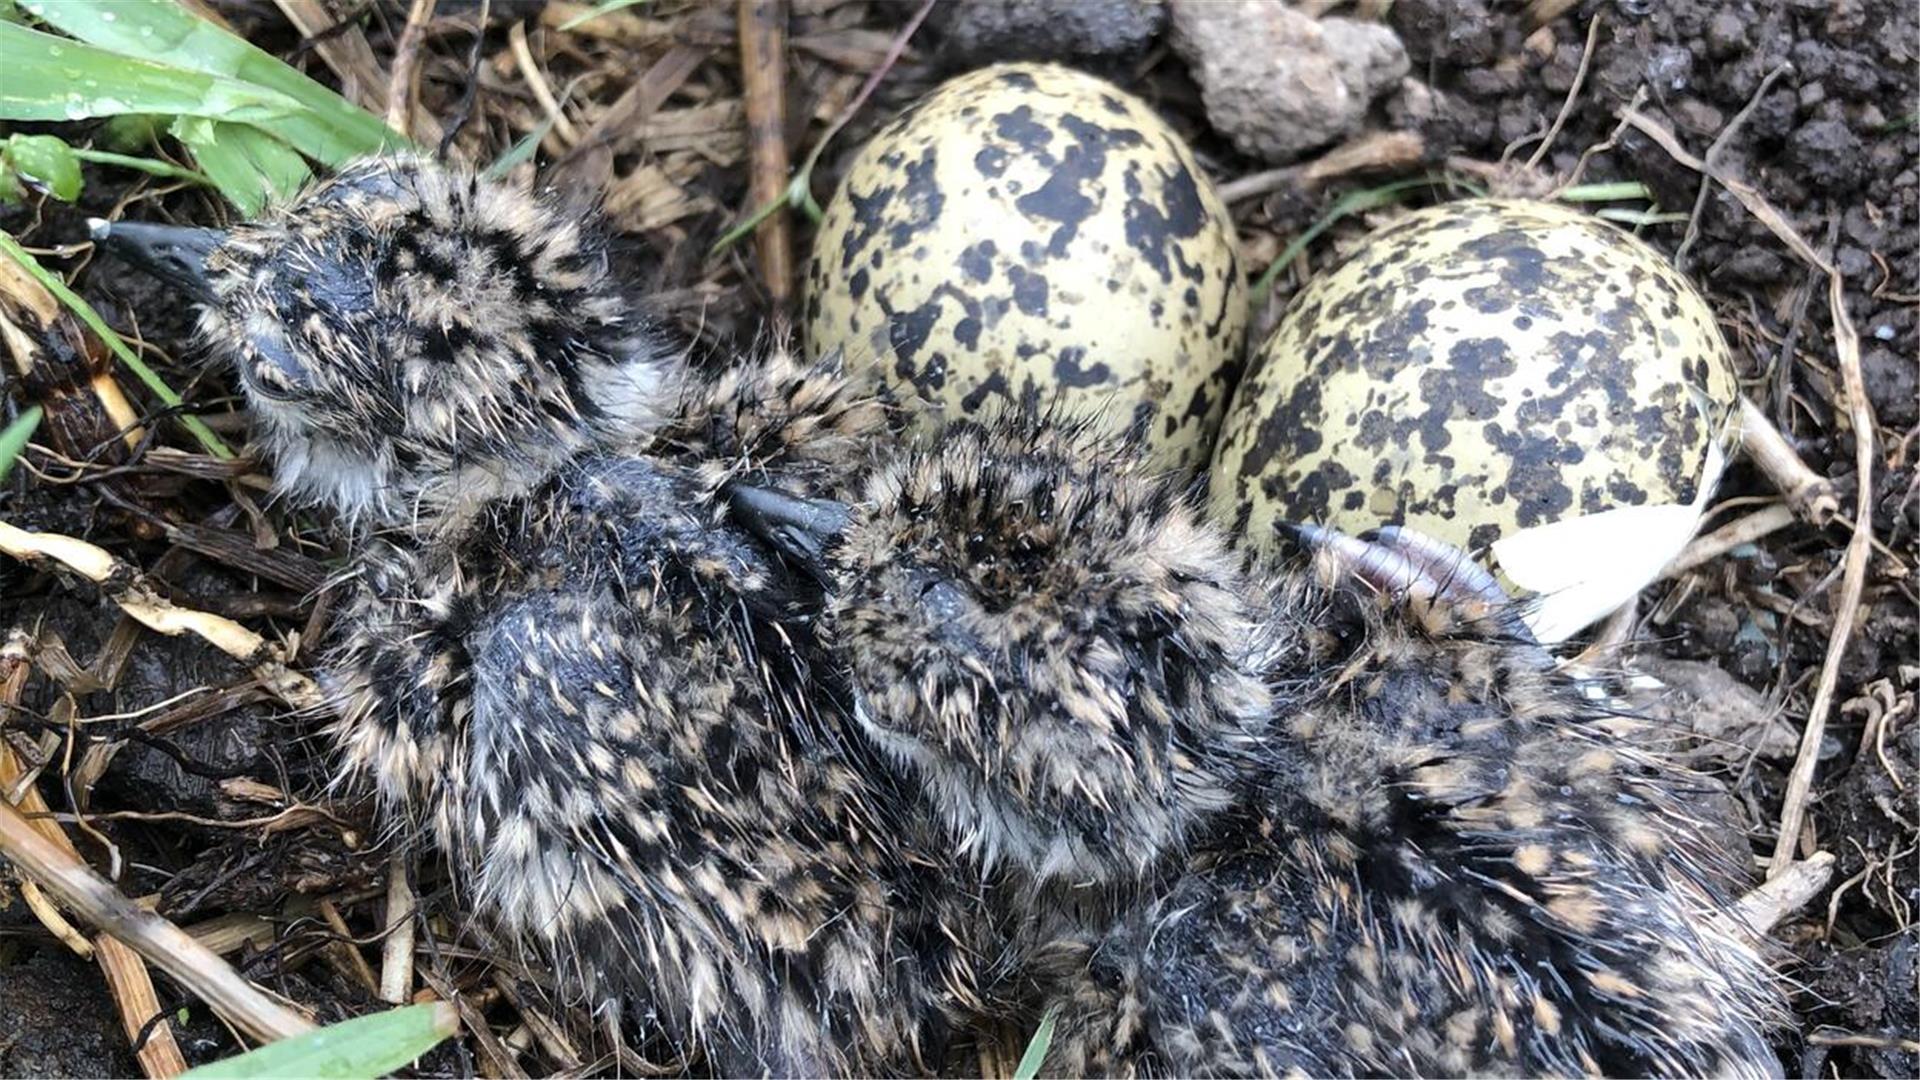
<point>93,898</point>
<point>763,70</point>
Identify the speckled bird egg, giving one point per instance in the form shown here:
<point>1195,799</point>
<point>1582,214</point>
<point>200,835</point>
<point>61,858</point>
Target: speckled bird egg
<point>1033,237</point>
<point>1516,378</point>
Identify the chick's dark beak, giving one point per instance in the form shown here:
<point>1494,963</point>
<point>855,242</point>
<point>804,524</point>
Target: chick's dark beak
<point>176,254</point>
<point>803,530</point>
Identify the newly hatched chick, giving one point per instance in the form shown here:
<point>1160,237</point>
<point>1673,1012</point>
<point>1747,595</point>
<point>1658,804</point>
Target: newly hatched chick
<point>557,656</point>
<point>1360,833</point>
<point>1054,644</point>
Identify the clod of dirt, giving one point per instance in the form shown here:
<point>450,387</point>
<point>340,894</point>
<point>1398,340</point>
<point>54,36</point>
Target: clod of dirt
<point>1455,32</point>
<point>1279,83</point>
<point>1829,155</point>
<point>987,31</point>
<point>1726,719</point>
<point>1873,806</point>
<point>1894,387</point>
<point>1872,991</point>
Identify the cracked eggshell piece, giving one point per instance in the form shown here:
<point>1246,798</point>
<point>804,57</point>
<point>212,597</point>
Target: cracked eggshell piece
<point>1033,237</point>
<point>1516,378</point>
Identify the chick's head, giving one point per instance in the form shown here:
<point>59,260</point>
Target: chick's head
<point>415,340</point>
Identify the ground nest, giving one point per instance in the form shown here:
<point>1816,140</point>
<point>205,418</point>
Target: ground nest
<point>187,778</point>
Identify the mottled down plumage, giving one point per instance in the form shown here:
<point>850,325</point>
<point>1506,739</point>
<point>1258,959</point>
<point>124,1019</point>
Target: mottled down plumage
<point>991,724</point>
<point>589,699</point>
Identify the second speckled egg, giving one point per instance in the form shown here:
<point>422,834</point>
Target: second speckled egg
<point>1033,237</point>
<point>1518,379</point>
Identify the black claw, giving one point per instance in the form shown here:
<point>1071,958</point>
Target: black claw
<point>804,530</point>
<point>177,254</point>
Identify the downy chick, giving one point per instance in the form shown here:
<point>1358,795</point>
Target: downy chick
<point>558,657</point>
<point>1349,827</point>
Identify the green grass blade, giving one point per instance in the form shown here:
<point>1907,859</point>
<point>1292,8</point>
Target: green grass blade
<point>363,1048</point>
<point>1036,1053</point>
<point>15,438</point>
<point>326,126</point>
<point>1608,192</point>
<point>604,7</point>
<point>54,78</point>
<point>1351,203</point>
<point>47,161</point>
<point>84,311</point>
<point>249,166</point>
<point>1641,218</point>
<point>519,151</point>
<point>152,167</point>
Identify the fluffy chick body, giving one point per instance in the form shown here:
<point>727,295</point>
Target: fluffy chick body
<point>1339,833</point>
<point>558,657</point>
<point>1459,869</point>
<point>590,697</point>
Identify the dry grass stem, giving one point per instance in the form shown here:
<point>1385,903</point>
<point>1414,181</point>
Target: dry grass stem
<point>1746,530</point>
<point>396,950</point>
<point>1712,160</point>
<point>127,587</point>
<point>1374,151</point>
<point>403,87</point>
<point>343,48</point>
<point>537,83</point>
<point>132,988</point>
<point>1573,95</point>
<point>1784,893</point>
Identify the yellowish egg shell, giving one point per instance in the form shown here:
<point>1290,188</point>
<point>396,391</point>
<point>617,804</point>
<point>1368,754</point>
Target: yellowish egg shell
<point>1516,378</point>
<point>1030,236</point>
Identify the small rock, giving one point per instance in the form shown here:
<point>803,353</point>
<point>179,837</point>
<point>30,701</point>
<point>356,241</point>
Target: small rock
<point>989,31</point>
<point>1279,83</point>
<point>1458,33</point>
<point>1491,82</point>
<point>1728,720</point>
<point>1893,387</point>
<point>1670,67</point>
<point>1726,34</point>
<point>1829,154</point>
<point>1713,625</point>
<point>1518,119</point>
<point>1441,119</point>
<point>1752,265</point>
<point>1698,117</point>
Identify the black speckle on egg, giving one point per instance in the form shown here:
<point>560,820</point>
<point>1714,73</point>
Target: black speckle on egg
<point>1070,369</point>
<point>1029,290</point>
<point>977,262</point>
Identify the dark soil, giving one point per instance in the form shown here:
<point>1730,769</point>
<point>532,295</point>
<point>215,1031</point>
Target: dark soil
<point>1833,143</point>
<point>55,1016</point>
